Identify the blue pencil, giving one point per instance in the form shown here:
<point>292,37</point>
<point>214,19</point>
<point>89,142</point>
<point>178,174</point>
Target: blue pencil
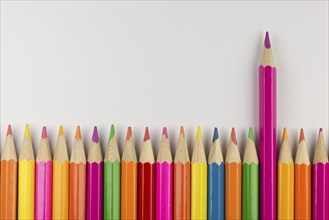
<point>216,180</point>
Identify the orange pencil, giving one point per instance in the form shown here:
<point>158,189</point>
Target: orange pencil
<point>8,183</point>
<point>77,189</point>
<point>233,180</point>
<point>129,179</point>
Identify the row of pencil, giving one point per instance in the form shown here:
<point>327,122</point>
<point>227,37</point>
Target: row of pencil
<point>93,188</point>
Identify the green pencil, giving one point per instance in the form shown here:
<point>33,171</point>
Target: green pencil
<point>250,178</point>
<point>112,178</point>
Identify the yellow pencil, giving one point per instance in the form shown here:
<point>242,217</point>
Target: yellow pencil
<point>285,180</point>
<point>61,178</point>
<point>26,172</point>
<point>199,180</point>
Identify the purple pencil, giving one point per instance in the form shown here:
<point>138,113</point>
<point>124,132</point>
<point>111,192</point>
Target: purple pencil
<point>95,179</point>
<point>43,179</point>
<point>320,181</point>
<point>164,179</point>
<point>267,133</point>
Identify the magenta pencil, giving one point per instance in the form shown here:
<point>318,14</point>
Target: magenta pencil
<point>43,180</point>
<point>267,133</point>
<point>320,181</point>
<point>95,179</point>
<point>164,180</point>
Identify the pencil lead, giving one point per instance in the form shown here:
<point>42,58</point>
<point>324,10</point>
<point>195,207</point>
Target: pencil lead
<point>27,131</point>
<point>267,42</point>
<point>233,136</point>
<point>320,130</point>
<point>181,132</point>
<point>147,134</point>
<point>9,132</point>
<point>285,134</point>
<point>165,132</point>
<point>61,130</point>
<point>44,132</point>
<point>215,137</point>
<point>129,133</point>
<point>251,134</point>
<point>112,132</point>
<point>301,135</point>
<point>199,134</point>
<point>78,133</point>
<point>95,135</point>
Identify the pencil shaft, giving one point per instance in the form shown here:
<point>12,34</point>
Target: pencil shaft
<point>267,141</point>
<point>250,191</point>
<point>128,190</point>
<point>60,189</point>
<point>302,191</point>
<point>26,189</point>
<point>320,191</point>
<point>286,191</point>
<point>216,191</point>
<point>182,191</point>
<point>112,190</point>
<point>8,189</point>
<point>95,190</point>
<point>199,191</point>
<point>164,190</point>
<point>77,189</point>
<point>146,191</point>
<point>43,190</point>
<point>232,190</point>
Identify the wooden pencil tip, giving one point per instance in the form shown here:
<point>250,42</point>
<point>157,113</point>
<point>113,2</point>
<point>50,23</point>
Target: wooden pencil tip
<point>301,135</point>
<point>44,132</point>
<point>181,131</point>
<point>9,132</point>
<point>251,134</point>
<point>198,134</point>
<point>112,132</point>
<point>285,134</point>
<point>27,131</point>
<point>95,135</point>
<point>165,132</point>
<point>147,134</point>
<point>215,136</point>
<point>267,42</point>
<point>233,136</point>
<point>61,130</point>
<point>129,133</point>
<point>78,133</point>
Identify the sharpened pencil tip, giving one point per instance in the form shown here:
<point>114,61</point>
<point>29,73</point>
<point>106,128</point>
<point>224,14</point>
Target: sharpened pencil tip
<point>78,133</point>
<point>285,134</point>
<point>320,130</point>
<point>27,131</point>
<point>147,134</point>
<point>267,42</point>
<point>181,132</point>
<point>44,132</point>
<point>233,136</point>
<point>301,135</point>
<point>198,134</point>
<point>112,132</point>
<point>251,134</point>
<point>95,135</point>
<point>61,130</point>
<point>9,132</point>
<point>165,132</point>
<point>129,133</point>
<point>215,136</point>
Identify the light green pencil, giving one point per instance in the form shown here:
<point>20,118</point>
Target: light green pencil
<point>112,178</point>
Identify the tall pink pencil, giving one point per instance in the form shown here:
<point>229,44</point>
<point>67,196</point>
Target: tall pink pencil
<point>164,180</point>
<point>267,133</point>
<point>43,179</point>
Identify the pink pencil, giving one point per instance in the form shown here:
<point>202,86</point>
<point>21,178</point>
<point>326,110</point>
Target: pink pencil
<point>164,179</point>
<point>43,180</point>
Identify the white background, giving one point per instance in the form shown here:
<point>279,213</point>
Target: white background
<point>160,64</point>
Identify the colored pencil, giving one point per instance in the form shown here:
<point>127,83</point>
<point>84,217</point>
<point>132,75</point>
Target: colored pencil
<point>164,179</point>
<point>26,175</point>
<point>77,183</point>
<point>250,180</point>
<point>233,180</point>
<point>267,133</point>
<point>216,191</point>
<point>320,181</point>
<point>95,179</point>
<point>112,178</point>
<point>129,179</point>
<point>285,180</point>
<point>199,180</point>
<point>302,180</point>
<point>43,179</point>
<point>146,180</point>
<point>61,178</point>
<point>8,179</point>
<point>182,180</point>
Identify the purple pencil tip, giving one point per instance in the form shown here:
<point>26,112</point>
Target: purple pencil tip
<point>95,135</point>
<point>44,132</point>
<point>320,130</point>
<point>267,42</point>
